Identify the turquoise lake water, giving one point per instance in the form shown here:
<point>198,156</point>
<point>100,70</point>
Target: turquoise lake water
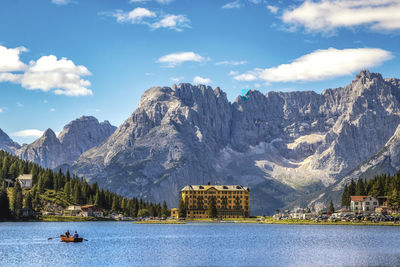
<point>199,244</point>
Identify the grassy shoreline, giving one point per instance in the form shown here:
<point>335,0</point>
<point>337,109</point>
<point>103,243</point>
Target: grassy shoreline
<point>267,220</point>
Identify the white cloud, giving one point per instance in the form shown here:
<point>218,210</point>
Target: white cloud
<point>45,101</point>
<point>232,73</point>
<point>231,63</point>
<point>175,59</point>
<point>52,109</point>
<point>234,4</point>
<point>62,75</point>
<point>9,77</point>
<point>176,79</point>
<point>327,15</point>
<point>28,133</point>
<point>45,74</point>
<point>61,2</point>
<point>19,105</point>
<point>273,9</point>
<point>135,16</point>
<point>320,65</point>
<point>138,1</point>
<point>9,59</point>
<point>176,22</point>
<point>201,80</point>
<point>1,110</point>
<point>164,2</point>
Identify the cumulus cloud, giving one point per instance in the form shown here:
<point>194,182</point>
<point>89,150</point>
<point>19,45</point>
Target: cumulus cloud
<point>45,74</point>
<point>201,80</point>
<point>320,65</point>
<point>234,4</point>
<point>9,59</point>
<point>231,63</point>
<point>176,22</point>
<point>60,74</point>
<point>1,110</point>
<point>19,105</point>
<point>135,16</point>
<point>175,59</point>
<point>273,9</point>
<point>28,133</point>
<point>328,15</point>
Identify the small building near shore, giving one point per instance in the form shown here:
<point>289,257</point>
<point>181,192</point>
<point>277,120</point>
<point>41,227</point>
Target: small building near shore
<point>175,213</point>
<point>25,180</point>
<point>91,211</point>
<point>73,210</point>
<point>363,203</point>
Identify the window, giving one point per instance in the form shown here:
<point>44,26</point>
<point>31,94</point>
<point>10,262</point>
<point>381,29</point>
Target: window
<point>366,203</point>
<point>356,203</point>
<point>375,203</point>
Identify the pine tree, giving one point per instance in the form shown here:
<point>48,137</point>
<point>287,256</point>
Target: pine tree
<point>164,210</point>
<point>352,188</point>
<point>394,200</point>
<point>331,207</point>
<point>181,208</point>
<point>16,200</point>
<point>77,198</point>
<point>345,197</point>
<point>4,205</point>
<point>360,188</point>
<point>212,208</point>
<point>28,201</point>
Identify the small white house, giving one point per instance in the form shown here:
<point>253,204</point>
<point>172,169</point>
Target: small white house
<point>25,180</point>
<point>363,203</point>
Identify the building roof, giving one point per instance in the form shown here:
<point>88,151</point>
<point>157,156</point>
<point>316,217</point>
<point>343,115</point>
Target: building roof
<point>217,187</point>
<point>359,198</point>
<point>25,177</point>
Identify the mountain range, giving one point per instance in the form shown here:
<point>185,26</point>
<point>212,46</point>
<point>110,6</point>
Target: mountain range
<point>291,149</point>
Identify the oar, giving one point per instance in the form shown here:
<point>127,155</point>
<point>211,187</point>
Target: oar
<point>50,238</point>
<point>85,239</point>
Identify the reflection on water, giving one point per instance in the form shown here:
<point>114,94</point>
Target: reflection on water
<point>127,244</point>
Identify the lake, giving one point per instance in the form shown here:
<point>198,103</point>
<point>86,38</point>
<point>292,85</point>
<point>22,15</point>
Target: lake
<point>198,244</point>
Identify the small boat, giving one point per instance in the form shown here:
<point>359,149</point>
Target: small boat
<point>70,239</point>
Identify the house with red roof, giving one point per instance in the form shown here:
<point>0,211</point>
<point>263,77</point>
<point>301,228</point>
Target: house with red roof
<point>363,203</point>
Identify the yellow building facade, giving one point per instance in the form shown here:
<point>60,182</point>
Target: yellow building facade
<point>232,201</point>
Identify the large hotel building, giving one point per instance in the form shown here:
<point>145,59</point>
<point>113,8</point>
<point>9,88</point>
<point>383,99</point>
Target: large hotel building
<point>232,201</point>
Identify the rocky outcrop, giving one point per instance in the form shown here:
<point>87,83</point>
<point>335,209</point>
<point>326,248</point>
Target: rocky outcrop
<point>7,144</point>
<point>76,137</point>
<point>284,146</point>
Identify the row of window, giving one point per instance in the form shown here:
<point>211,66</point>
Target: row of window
<point>190,196</point>
<point>366,203</point>
<point>214,192</point>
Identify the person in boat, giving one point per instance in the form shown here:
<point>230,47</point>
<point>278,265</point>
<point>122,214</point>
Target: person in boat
<point>76,234</point>
<point>67,234</point>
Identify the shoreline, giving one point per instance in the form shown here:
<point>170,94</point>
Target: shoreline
<point>240,221</point>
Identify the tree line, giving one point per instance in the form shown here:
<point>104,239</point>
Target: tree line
<point>76,190</point>
<point>383,185</point>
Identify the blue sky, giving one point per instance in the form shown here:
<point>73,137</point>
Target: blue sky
<point>61,59</point>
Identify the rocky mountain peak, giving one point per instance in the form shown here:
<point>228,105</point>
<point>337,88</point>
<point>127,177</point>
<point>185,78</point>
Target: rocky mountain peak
<point>49,135</point>
<point>7,144</point>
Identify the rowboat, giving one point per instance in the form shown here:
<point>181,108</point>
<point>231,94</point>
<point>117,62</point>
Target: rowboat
<point>70,239</point>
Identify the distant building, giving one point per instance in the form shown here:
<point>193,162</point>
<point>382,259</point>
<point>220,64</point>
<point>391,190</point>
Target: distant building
<point>25,180</point>
<point>72,210</point>
<point>363,203</point>
<point>27,212</point>
<point>175,213</point>
<point>91,211</point>
<point>232,201</point>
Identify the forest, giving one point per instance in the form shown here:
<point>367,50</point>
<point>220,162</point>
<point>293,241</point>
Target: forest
<point>384,185</point>
<point>68,189</point>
